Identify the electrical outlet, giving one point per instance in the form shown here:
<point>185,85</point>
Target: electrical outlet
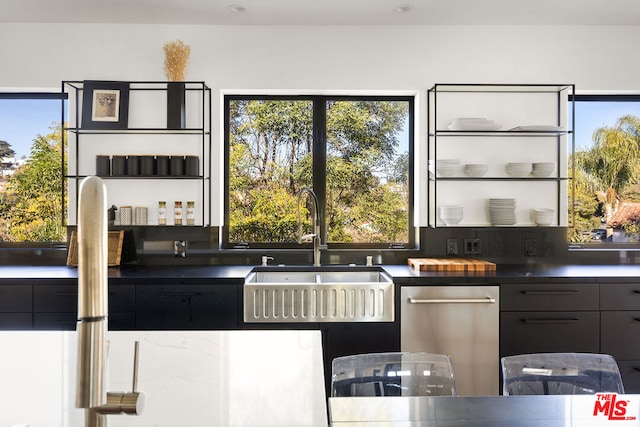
<point>530,247</point>
<point>472,247</point>
<point>452,247</point>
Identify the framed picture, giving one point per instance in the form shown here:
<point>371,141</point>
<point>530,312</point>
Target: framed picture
<point>105,105</point>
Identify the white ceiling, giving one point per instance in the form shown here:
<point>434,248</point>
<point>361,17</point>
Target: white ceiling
<point>325,12</point>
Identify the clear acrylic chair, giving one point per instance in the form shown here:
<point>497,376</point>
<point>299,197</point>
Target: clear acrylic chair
<point>560,373</point>
<point>392,374</point>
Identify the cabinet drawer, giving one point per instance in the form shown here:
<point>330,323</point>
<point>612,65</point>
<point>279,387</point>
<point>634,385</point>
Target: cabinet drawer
<point>55,298</point>
<point>54,321</point>
<point>549,332</point>
<point>186,307</point>
<point>64,298</point>
<point>620,331</point>
<point>122,299</point>
<point>630,371</point>
<point>15,298</point>
<point>549,297</point>
<point>620,296</point>
<point>16,321</point>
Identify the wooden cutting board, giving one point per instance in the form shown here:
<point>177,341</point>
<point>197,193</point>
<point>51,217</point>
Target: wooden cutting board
<point>451,264</point>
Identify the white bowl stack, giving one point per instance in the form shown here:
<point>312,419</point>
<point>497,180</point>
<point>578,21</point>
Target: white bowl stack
<point>542,216</point>
<point>502,211</point>
<point>473,123</point>
<point>448,167</point>
<point>543,169</point>
<point>475,169</point>
<point>519,169</point>
<point>451,215</point>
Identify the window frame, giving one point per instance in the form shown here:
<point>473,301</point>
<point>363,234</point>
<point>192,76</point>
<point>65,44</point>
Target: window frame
<point>319,170</point>
<point>40,95</point>
<point>602,245</point>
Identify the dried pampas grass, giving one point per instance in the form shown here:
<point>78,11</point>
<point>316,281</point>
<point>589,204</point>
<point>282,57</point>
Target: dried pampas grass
<point>176,58</point>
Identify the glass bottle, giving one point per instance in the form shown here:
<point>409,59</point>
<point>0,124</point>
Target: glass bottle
<point>191,215</point>
<point>162,213</point>
<point>177,213</point>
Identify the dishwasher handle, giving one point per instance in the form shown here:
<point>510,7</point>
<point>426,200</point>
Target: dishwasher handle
<point>485,300</point>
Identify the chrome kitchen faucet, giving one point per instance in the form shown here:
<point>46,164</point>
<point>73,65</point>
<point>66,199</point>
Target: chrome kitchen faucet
<point>317,241</point>
<point>93,313</point>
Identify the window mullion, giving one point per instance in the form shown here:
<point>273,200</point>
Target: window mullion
<point>320,158</point>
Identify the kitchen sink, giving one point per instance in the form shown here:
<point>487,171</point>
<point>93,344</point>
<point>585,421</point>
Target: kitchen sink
<point>308,277</point>
<point>318,294</point>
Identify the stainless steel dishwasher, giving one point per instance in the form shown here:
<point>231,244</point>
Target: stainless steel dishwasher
<point>461,321</point>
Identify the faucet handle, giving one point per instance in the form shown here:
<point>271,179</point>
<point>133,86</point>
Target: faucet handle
<point>306,238</point>
<point>130,403</point>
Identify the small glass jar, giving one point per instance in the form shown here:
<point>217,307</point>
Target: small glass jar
<point>177,213</point>
<point>191,214</point>
<point>162,213</point>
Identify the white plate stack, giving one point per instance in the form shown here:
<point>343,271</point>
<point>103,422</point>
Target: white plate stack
<point>542,216</point>
<point>519,169</point>
<point>473,123</point>
<point>451,215</point>
<point>448,167</point>
<point>543,169</point>
<point>502,211</point>
<point>475,169</point>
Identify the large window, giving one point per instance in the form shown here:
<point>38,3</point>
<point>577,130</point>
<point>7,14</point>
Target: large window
<point>353,152</point>
<point>31,170</point>
<point>607,170</point>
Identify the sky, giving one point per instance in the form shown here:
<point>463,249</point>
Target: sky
<point>21,120</point>
<point>593,115</point>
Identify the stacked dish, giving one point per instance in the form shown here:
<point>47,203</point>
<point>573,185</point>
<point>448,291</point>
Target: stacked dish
<point>473,123</point>
<point>502,211</point>
<point>475,169</point>
<point>448,167</point>
<point>519,169</point>
<point>543,169</point>
<point>542,216</point>
<point>451,215</point>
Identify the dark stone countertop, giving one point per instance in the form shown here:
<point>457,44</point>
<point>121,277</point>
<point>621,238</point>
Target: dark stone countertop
<point>235,274</point>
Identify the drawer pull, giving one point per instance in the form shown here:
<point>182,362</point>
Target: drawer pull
<point>486,300</point>
<point>546,321</point>
<point>549,292</point>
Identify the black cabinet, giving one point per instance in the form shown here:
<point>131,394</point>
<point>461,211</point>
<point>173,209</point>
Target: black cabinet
<point>16,307</point>
<point>56,307</point>
<point>620,329</point>
<point>189,307</point>
<point>122,307</point>
<point>345,339</point>
<point>549,317</point>
<point>549,332</point>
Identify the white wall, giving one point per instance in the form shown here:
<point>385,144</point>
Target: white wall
<point>329,59</point>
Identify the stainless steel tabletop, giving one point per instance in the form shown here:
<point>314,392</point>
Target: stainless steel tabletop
<point>486,411</point>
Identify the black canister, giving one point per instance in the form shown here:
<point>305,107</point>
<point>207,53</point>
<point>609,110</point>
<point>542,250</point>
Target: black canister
<point>192,165</point>
<point>133,165</point>
<point>103,165</point>
<point>162,165</point>
<point>119,166</point>
<point>177,165</point>
<point>147,165</point>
